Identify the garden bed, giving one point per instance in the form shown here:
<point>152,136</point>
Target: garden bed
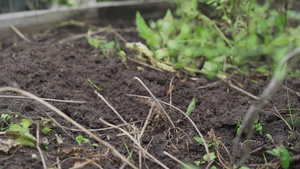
<point>61,71</point>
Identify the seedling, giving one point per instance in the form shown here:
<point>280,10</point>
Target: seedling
<point>121,52</point>
<point>199,140</point>
<point>95,145</point>
<point>258,126</point>
<point>192,106</point>
<point>270,138</point>
<point>289,123</point>
<point>81,140</point>
<point>20,133</point>
<point>283,154</point>
<point>100,43</point>
<point>205,159</point>
<point>94,85</point>
<point>46,130</point>
<point>5,120</point>
<point>46,125</point>
<point>128,151</point>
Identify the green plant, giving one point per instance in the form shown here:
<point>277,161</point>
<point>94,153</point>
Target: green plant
<point>258,125</point>
<point>199,140</point>
<point>100,43</point>
<point>121,52</point>
<point>233,43</point>
<point>81,140</point>
<point>129,153</point>
<point>20,133</point>
<point>205,157</point>
<point>269,136</point>
<point>293,118</point>
<point>191,106</point>
<point>212,156</point>
<point>239,125</point>
<point>282,153</point>
<point>46,125</point>
<point>95,145</point>
<point>5,120</point>
<point>92,83</point>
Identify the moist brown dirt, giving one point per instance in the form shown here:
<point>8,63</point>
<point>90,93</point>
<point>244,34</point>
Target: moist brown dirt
<point>51,70</point>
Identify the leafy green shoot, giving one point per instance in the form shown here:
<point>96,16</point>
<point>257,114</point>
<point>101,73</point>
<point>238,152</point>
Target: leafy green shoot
<point>100,43</point>
<point>129,153</point>
<point>20,133</point>
<point>212,157</point>
<point>258,125</point>
<point>46,130</point>
<point>199,140</point>
<point>95,86</point>
<point>282,153</point>
<point>239,123</point>
<point>292,116</point>
<point>81,140</point>
<point>191,106</point>
<point>270,138</point>
<point>95,145</point>
<point>121,52</point>
<point>5,120</point>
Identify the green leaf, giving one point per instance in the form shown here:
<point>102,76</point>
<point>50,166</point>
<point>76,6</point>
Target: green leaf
<point>153,39</point>
<point>188,166</point>
<point>243,167</point>
<point>210,67</point>
<point>285,163</point>
<point>185,32</point>
<point>25,123</point>
<point>80,139</point>
<point>262,69</point>
<point>26,139</point>
<point>46,130</point>
<point>95,145</point>
<point>166,26</point>
<point>198,139</point>
<point>280,22</point>
<point>161,54</point>
<point>199,162</point>
<point>211,155</point>
<point>191,106</point>
<point>106,45</point>
<point>20,133</point>
<point>274,152</point>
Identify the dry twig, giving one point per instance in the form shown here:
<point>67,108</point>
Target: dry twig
<point>38,145</point>
<point>115,111</point>
<point>19,33</point>
<point>290,90</point>
<point>194,125</point>
<point>135,142</point>
<point>153,97</point>
<point>144,64</point>
<point>46,99</point>
<point>175,159</point>
<point>83,35</point>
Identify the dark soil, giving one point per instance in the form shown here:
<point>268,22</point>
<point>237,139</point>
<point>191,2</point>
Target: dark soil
<point>50,70</point>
